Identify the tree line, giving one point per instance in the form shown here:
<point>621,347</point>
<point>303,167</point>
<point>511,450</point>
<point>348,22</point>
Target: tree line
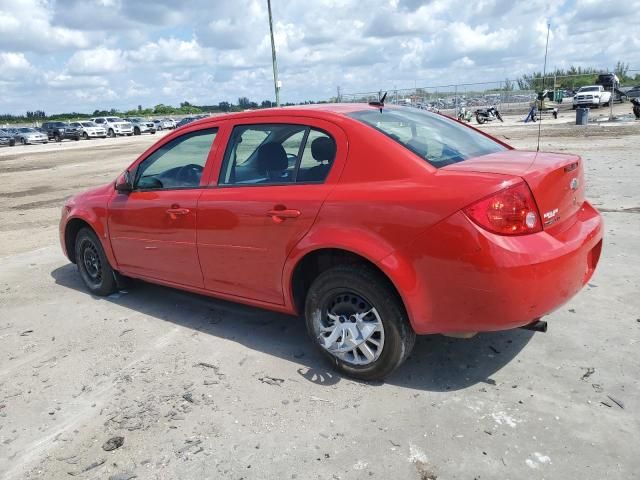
<point>185,108</point>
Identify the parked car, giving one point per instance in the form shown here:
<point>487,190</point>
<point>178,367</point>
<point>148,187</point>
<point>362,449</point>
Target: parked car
<point>591,96</point>
<point>376,225</point>
<point>90,130</point>
<point>185,121</point>
<point>168,123</point>
<point>114,126</point>
<point>59,131</point>
<point>140,126</point>
<point>28,135</point>
<point>158,124</point>
<point>633,92</point>
<point>7,138</point>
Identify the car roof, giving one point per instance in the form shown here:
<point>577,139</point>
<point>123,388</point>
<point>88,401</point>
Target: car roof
<point>319,110</point>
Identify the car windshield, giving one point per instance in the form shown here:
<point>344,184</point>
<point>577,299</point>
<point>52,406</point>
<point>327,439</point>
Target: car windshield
<point>589,89</point>
<point>114,119</point>
<point>27,130</point>
<point>88,124</point>
<point>438,140</point>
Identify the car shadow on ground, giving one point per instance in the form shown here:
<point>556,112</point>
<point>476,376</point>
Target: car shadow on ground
<point>437,363</point>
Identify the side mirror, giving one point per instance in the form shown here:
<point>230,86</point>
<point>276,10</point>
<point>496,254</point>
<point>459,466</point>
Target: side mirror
<point>124,183</point>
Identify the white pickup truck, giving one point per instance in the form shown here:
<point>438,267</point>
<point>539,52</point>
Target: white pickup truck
<point>592,95</point>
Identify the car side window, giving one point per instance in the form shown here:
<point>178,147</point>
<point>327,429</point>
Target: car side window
<point>317,157</point>
<point>271,154</point>
<point>177,164</point>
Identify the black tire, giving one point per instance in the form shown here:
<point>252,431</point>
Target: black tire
<point>136,131</point>
<point>12,142</point>
<point>57,138</point>
<point>85,135</point>
<point>499,116</point>
<point>153,132</point>
<point>23,141</point>
<point>479,119</point>
<point>573,107</point>
<point>111,133</point>
<point>366,283</point>
<point>92,263</point>
<point>77,138</point>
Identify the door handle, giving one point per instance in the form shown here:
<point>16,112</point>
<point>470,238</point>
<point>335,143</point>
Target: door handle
<point>279,215</point>
<point>174,212</point>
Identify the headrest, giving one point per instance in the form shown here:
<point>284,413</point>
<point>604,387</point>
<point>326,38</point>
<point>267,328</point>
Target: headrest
<point>271,157</point>
<point>323,148</point>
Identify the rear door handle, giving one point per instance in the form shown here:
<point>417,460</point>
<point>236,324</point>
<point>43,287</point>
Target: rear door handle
<point>279,215</point>
<point>174,212</point>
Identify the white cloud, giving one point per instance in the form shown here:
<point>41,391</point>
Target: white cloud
<point>170,51</point>
<point>13,65</point>
<point>26,25</point>
<point>97,61</point>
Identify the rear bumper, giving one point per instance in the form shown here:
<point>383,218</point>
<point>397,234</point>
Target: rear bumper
<point>465,279</point>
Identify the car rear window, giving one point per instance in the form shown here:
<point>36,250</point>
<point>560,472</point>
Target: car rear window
<point>435,138</point>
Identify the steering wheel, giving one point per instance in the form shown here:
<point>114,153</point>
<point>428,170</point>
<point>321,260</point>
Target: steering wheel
<point>189,174</point>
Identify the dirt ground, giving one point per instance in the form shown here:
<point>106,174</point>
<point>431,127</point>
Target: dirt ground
<point>205,389</point>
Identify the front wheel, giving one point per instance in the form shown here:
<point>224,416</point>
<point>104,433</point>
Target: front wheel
<point>94,268</point>
<point>358,322</point>
<point>499,116</point>
<point>480,119</point>
<point>85,135</point>
<point>111,133</point>
<point>137,131</point>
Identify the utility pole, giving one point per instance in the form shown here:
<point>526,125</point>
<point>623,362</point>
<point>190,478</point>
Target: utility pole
<point>276,83</point>
<point>339,97</point>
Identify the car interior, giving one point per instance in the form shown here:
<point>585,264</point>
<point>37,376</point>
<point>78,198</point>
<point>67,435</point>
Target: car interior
<point>260,154</point>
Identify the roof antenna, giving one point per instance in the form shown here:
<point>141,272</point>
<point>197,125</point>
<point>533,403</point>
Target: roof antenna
<point>544,73</point>
<point>380,102</point>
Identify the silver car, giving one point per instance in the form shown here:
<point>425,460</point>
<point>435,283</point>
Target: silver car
<point>26,135</point>
<point>6,138</point>
<point>90,130</point>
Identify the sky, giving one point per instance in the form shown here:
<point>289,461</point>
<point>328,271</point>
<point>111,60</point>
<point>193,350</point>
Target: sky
<point>82,55</point>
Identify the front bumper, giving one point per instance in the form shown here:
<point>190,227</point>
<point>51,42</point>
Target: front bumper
<point>96,133</point>
<point>466,279</point>
<point>123,130</point>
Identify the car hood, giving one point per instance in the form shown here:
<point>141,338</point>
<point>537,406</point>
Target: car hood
<point>101,191</point>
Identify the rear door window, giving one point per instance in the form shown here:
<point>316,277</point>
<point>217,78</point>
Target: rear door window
<point>269,154</point>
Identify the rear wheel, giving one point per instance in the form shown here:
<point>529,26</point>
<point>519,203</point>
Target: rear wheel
<point>136,131</point>
<point>479,119</point>
<point>358,322</point>
<point>85,135</point>
<point>57,138</point>
<point>23,141</point>
<point>94,268</point>
<point>499,116</point>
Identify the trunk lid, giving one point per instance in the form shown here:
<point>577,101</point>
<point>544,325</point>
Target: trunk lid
<point>556,181</point>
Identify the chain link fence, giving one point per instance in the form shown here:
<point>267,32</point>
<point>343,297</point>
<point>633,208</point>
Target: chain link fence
<point>506,94</point>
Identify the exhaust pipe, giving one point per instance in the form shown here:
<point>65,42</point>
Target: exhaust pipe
<point>536,326</point>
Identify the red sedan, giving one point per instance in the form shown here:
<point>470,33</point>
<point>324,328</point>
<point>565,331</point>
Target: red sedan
<point>375,223</point>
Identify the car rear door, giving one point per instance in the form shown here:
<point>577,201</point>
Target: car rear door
<point>153,228</point>
<point>251,217</point>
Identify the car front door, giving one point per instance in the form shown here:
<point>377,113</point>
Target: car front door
<point>153,228</point>
<point>267,195</point>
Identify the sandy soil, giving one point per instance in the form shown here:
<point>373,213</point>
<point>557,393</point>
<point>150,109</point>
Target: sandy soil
<point>199,388</point>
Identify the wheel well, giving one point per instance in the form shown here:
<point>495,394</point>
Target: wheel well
<point>318,261</point>
<point>70,234</point>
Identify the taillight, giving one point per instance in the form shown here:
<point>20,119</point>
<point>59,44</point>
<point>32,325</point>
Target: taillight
<point>511,211</point>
